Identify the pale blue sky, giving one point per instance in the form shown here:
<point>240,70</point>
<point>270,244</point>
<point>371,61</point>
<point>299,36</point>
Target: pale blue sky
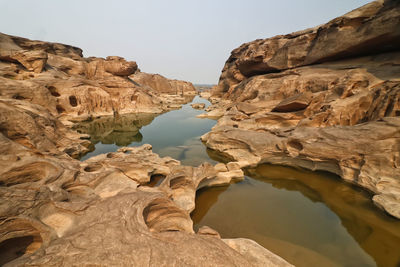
<point>181,39</point>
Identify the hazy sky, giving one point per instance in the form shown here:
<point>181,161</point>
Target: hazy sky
<point>181,39</point>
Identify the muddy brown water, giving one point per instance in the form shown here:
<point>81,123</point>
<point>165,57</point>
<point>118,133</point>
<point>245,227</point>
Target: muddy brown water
<point>308,218</point>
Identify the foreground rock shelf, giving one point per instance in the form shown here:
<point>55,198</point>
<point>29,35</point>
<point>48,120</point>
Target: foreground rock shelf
<point>325,98</point>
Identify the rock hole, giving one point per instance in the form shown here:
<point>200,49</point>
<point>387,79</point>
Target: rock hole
<point>112,155</point>
<point>14,248</point>
<point>161,215</point>
<point>60,109</point>
<point>19,97</point>
<point>155,180</point>
<point>295,144</point>
<point>53,91</point>
<point>92,167</point>
<point>72,101</point>
<point>23,239</point>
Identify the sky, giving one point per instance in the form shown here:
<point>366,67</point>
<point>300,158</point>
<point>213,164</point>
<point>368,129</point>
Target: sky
<point>180,39</point>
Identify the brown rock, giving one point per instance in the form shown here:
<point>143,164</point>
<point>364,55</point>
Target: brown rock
<point>370,29</point>
<point>198,105</point>
<point>293,103</point>
<point>162,85</point>
<point>60,211</point>
<point>119,66</point>
<point>32,60</point>
<point>255,253</point>
<point>77,88</point>
<point>340,116</point>
<point>207,231</point>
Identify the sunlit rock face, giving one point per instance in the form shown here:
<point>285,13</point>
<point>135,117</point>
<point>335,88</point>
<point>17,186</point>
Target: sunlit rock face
<point>370,29</point>
<point>76,88</point>
<point>164,85</point>
<point>325,98</point>
<point>57,210</point>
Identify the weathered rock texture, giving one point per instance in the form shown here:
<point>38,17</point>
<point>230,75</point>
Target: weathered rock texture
<point>164,85</point>
<point>372,28</point>
<point>76,88</point>
<point>58,211</point>
<point>326,98</point>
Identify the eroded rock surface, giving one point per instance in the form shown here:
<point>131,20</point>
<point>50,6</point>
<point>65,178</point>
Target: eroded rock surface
<point>164,85</point>
<point>340,115</point>
<point>76,88</point>
<point>372,28</point>
<point>58,211</point>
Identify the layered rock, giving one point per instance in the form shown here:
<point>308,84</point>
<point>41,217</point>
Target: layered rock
<point>326,98</point>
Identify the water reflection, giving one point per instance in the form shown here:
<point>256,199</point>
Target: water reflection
<point>311,219</point>
<point>120,130</point>
<point>175,133</point>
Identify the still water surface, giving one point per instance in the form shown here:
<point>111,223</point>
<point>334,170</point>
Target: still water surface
<point>308,218</point>
<point>175,133</point>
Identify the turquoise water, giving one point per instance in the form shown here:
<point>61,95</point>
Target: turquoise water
<point>308,218</point>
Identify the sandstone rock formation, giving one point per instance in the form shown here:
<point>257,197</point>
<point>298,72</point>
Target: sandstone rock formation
<point>164,85</point>
<point>373,28</point>
<point>326,98</point>
<point>76,88</point>
<point>56,210</point>
<point>198,105</point>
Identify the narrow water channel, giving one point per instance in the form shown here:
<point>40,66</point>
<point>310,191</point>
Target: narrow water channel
<point>308,218</point>
<point>175,133</point>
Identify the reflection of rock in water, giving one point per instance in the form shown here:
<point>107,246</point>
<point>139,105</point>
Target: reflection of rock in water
<point>121,130</point>
<point>191,153</point>
<point>377,233</point>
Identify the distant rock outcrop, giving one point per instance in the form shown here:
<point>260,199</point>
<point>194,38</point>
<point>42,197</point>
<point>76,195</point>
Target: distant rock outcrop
<point>164,85</point>
<point>326,98</point>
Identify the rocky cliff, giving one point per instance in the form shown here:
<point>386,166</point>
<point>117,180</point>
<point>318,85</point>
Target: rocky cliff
<point>58,211</point>
<point>326,98</point>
